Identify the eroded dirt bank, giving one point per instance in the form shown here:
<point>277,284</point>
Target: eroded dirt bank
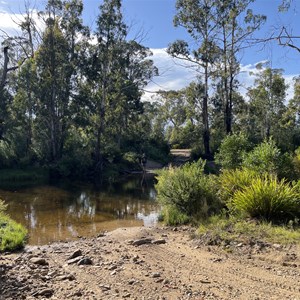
<point>150,263</point>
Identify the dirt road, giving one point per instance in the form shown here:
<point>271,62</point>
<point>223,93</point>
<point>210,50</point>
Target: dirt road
<point>150,263</point>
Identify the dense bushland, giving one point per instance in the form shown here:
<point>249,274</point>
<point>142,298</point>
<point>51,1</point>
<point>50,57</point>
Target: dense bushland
<point>252,187</point>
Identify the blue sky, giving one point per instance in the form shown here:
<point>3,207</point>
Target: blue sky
<point>156,19</point>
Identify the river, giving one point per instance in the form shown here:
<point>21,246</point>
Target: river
<point>66,210</point>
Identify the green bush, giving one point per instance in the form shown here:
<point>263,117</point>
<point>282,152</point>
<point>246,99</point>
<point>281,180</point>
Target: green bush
<point>2,206</point>
<point>132,160</point>
<point>231,181</point>
<point>12,234</point>
<point>264,158</point>
<point>269,199</point>
<point>187,189</point>
<point>232,151</point>
<point>172,216</point>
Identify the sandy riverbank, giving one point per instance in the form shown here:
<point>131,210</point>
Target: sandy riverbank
<point>150,263</point>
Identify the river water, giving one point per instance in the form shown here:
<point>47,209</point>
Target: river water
<point>68,210</point>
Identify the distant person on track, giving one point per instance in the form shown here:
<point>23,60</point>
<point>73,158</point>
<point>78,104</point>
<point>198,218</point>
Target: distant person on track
<point>144,162</point>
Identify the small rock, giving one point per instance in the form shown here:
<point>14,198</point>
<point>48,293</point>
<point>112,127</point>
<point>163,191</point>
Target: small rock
<point>135,258</point>
<point>104,287</point>
<point>141,242</point>
<point>69,277</point>
<point>205,281</point>
<point>159,242</point>
<point>131,281</point>
<point>45,292</point>
<point>78,293</point>
<point>85,261</point>
<point>75,254</point>
<point>127,295</point>
<point>113,267</point>
<point>155,275</point>
<point>39,261</point>
<point>217,260</point>
<point>74,260</point>
<point>277,246</point>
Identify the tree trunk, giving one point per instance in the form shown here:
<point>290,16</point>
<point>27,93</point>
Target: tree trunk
<point>206,133</point>
<point>5,71</point>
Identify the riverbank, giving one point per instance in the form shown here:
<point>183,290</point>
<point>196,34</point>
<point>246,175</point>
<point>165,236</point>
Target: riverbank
<point>150,263</point>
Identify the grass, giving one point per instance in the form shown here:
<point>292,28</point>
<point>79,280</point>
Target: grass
<point>233,229</point>
<point>12,234</point>
<point>171,216</point>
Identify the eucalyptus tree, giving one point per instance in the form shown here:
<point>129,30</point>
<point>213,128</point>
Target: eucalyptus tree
<point>237,25</point>
<point>116,71</point>
<point>267,105</point>
<point>199,19</point>
<point>292,115</point>
<point>56,65</point>
<point>16,50</point>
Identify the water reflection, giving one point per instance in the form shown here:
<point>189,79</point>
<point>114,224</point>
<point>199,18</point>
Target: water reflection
<point>67,210</point>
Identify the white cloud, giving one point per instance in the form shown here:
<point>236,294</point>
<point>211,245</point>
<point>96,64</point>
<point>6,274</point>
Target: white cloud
<point>247,78</point>
<point>174,76</point>
<point>174,73</point>
<point>9,22</point>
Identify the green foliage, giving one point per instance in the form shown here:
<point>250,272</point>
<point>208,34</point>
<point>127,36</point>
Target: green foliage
<point>2,207</point>
<point>231,181</point>
<point>264,158</point>
<point>170,215</point>
<point>12,234</point>
<point>269,199</point>
<point>7,154</point>
<point>296,162</point>
<point>188,189</point>
<point>232,151</point>
<point>76,160</point>
<point>225,230</point>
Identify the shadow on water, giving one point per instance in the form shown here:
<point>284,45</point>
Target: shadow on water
<point>66,210</point>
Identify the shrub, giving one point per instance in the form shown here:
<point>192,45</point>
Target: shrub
<point>231,181</point>
<point>287,168</point>
<point>12,234</point>
<point>264,158</point>
<point>2,206</point>
<point>269,199</point>
<point>187,189</point>
<point>132,160</point>
<point>296,162</point>
<point>232,151</point>
<point>172,216</point>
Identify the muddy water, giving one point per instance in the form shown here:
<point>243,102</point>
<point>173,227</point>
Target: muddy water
<point>65,211</point>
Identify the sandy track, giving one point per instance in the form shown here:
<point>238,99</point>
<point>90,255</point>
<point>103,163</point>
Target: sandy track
<point>178,269</point>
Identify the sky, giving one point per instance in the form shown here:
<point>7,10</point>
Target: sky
<point>155,18</point>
